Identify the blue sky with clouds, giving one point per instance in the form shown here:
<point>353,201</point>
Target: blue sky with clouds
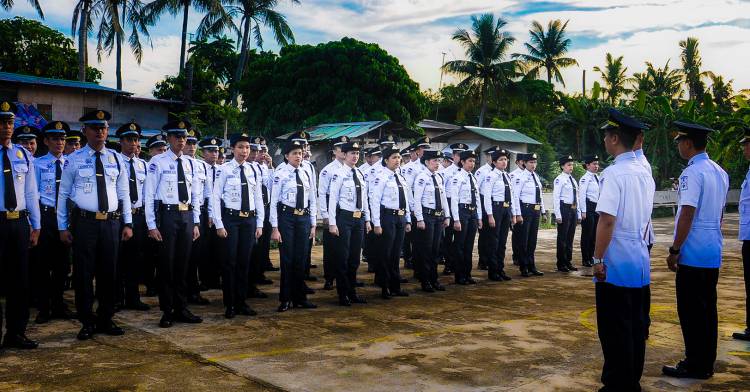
<point>418,32</point>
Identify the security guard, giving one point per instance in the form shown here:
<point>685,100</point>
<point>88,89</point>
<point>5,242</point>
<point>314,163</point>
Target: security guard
<point>259,258</point>
<point>369,170</point>
<point>201,175</point>
<point>95,179</point>
<point>744,235</point>
<point>528,195</point>
<point>156,145</point>
<point>589,193</point>
<point>293,218</point>
<point>132,253</point>
<point>391,218</point>
<point>330,268</point>
<point>209,269</point>
<point>565,200</point>
<point>695,253</point>
<point>348,222</point>
<point>466,211</point>
<point>26,136</point>
<point>266,169</point>
<point>432,214</point>
<point>518,225</point>
<point>237,211</point>
<point>72,141</point>
<point>19,216</point>
<point>499,213</point>
<point>447,173</point>
<point>480,174</point>
<point>410,172</point>
<point>221,159</point>
<point>650,236</point>
<point>53,257</point>
<point>622,273</point>
<point>173,200</point>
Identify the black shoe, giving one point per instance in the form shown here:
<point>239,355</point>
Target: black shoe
<point>482,267</point>
<point>525,273</point>
<point>137,306</point>
<point>328,285</point>
<point>109,328</point>
<point>305,305</point>
<point>357,299</point>
<point>42,317</point>
<point>257,294</point>
<point>308,290</point>
<point>359,284</point>
<point>587,264</point>
<point>495,277</point>
<point>19,341</point>
<point>86,332</point>
<point>197,299</point>
<point>264,281</point>
<point>505,276</point>
<point>570,267</point>
<point>273,269</point>
<point>284,307</point>
<point>344,301</point>
<point>427,288</point>
<point>229,313</point>
<point>744,335</point>
<point>447,271</point>
<point>186,316</point>
<point>471,281</point>
<point>680,371</point>
<point>400,293</point>
<point>151,292</point>
<point>311,278</point>
<point>313,266</point>
<point>437,286</point>
<point>560,269</point>
<point>245,310</point>
<point>385,294</point>
<point>403,280</point>
<point>166,320</point>
<point>535,272</point>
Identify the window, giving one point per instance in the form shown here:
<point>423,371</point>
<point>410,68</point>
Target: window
<point>45,110</point>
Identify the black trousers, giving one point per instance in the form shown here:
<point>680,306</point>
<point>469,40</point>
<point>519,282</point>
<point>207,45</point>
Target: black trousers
<point>621,319</point>
<point>483,234</point>
<point>514,241</point>
<point>746,271</point>
<point>346,249</point>
<point>95,250</point>
<point>176,229</point>
<point>264,242</point>
<point>389,245</point>
<point>588,232</point>
<point>235,257</point>
<point>53,265</point>
<point>497,237</point>
<point>330,264</point>
<point>407,245</point>
<point>566,231</point>
<point>696,308</point>
<point>427,247</point>
<point>259,256</point>
<point>209,268</point>
<point>294,248</point>
<point>131,262</point>
<point>527,237</point>
<point>151,261</point>
<point>447,244</point>
<point>14,264</point>
<point>463,243</point>
<point>193,285</point>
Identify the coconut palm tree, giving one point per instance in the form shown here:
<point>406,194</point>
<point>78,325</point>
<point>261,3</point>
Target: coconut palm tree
<point>82,24</point>
<point>117,17</point>
<point>691,68</point>
<point>8,4</point>
<point>547,50</point>
<point>722,91</point>
<point>486,48</point>
<point>253,13</point>
<point>614,78</point>
<point>664,81</point>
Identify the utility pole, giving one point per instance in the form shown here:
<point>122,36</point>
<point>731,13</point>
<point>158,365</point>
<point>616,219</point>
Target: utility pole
<point>440,87</point>
<point>584,83</point>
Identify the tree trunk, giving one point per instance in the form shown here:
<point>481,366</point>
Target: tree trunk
<point>82,42</point>
<point>183,44</point>
<point>483,112</point>
<point>241,63</point>
<point>118,50</point>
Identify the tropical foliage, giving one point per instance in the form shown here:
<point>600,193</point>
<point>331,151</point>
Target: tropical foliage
<point>547,50</point>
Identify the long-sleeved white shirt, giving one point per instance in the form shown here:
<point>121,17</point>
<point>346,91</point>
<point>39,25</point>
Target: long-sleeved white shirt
<point>384,190</point>
<point>493,187</point>
<point>588,189</point>
<point>324,185</point>
<point>525,187</point>
<point>162,185</point>
<point>565,189</point>
<point>463,184</point>
<point>343,193</point>
<point>428,188</point>
<point>284,191</point>
<point>228,191</point>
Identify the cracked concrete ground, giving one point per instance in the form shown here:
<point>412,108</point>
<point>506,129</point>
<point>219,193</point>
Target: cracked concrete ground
<point>529,334</point>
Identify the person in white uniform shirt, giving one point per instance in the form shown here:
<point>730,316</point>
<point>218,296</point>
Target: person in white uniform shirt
<point>369,171</point>
<point>209,268</point>
<point>589,192</point>
<point>527,194</point>
<point>205,183</point>
<point>466,211</point>
<point>479,174</point>
<point>695,254</point>
<point>447,173</point>
<point>518,224</point>
<point>348,222</point>
<point>499,213</point>
<point>324,185</point>
<point>238,214</point>
<point>565,199</point>
<point>744,235</point>
<point>410,171</point>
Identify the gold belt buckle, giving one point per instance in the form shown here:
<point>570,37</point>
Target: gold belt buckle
<point>401,212</point>
<point>506,204</point>
<point>573,206</point>
<point>537,207</point>
<point>12,214</point>
<point>101,216</point>
<point>182,207</point>
<point>244,214</point>
<point>357,214</point>
<point>299,211</point>
<point>438,213</point>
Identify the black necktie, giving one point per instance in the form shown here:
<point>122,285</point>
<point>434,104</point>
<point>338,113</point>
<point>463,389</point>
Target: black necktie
<point>358,187</point>
<point>438,196</point>
<point>538,191</point>
<point>245,206</point>
<point>473,190</point>
<point>300,191</point>
<point>182,192</point>
<point>9,193</point>
<point>213,176</point>
<point>132,184</point>
<point>101,184</point>
<point>58,175</point>
<point>401,194</point>
<point>597,179</point>
<point>507,187</point>
<point>573,184</point>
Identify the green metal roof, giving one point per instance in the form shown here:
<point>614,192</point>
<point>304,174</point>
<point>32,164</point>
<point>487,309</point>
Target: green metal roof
<point>502,135</point>
<point>352,130</point>
<point>37,80</point>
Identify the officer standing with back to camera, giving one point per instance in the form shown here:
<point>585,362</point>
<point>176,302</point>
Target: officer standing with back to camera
<point>499,213</point>
<point>589,193</point>
<point>53,257</point>
<point>621,261</point>
<point>565,200</point>
<point>132,253</point>
<point>19,229</point>
<point>348,222</point>
<point>293,218</point>
<point>528,194</point>
<point>204,183</point>
<point>173,200</point>
<point>695,254</point>
<point>324,184</point>
<point>744,235</point>
<point>467,217</point>
<point>95,179</point>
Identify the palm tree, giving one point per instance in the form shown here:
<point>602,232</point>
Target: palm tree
<point>214,11</point>
<point>614,78</point>
<point>664,81</point>
<point>722,91</point>
<point>8,4</point>
<point>486,47</point>
<point>546,50</point>
<point>119,15</point>
<point>691,67</point>
<point>252,14</point>
<point>82,24</point>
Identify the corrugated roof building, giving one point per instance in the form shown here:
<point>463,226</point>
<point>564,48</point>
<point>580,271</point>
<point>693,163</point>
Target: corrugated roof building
<point>481,139</point>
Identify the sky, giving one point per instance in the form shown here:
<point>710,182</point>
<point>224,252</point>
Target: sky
<point>418,32</point>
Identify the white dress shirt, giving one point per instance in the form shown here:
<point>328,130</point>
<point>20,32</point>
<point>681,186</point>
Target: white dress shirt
<point>44,168</point>
<point>228,192</point>
<point>461,189</point>
<point>447,176</point>
<point>493,185</point>
<point>284,191</point>
<point>161,185</point>
<point>565,189</point>
<point>428,187</point>
<point>139,166</point>
<point>588,189</point>
<point>525,186</point>
<point>744,208</point>
<point>324,186</point>
<point>384,191</point>
<point>343,193</point>
<point>641,158</point>
<point>24,183</point>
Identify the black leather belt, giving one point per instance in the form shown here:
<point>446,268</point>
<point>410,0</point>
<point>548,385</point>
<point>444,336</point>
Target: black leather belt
<point>296,211</point>
<point>44,208</point>
<point>13,215</point>
<point>100,216</point>
<point>238,213</point>
<point>535,207</point>
<point>501,204</point>
<point>467,206</point>
<point>353,214</point>
<point>393,212</point>
<point>182,207</point>
<point>137,211</point>
<point>573,206</point>
<point>431,212</point>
